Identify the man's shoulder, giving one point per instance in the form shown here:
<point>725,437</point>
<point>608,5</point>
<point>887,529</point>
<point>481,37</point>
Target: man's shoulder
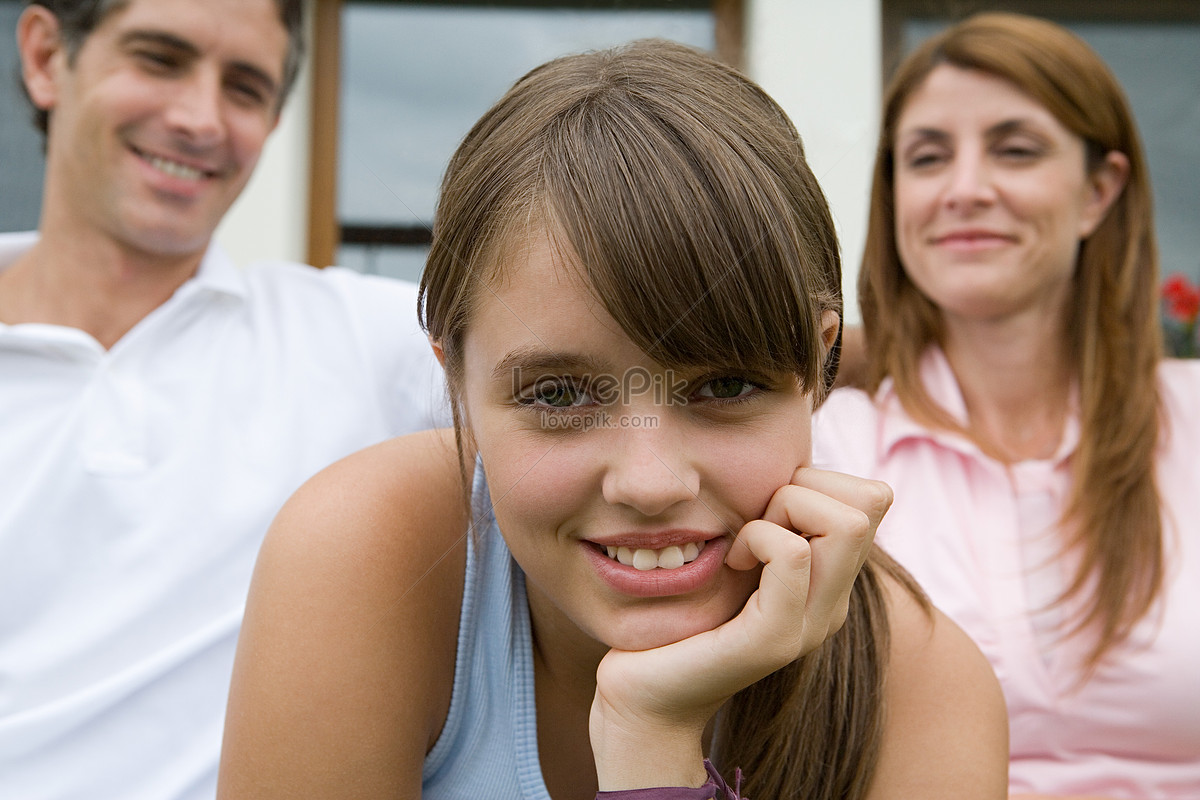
<point>303,279</point>
<point>303,292</point>
<point>13,244</point>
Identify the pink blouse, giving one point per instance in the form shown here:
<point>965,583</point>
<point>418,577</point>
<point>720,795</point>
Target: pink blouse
<point>980,537</point>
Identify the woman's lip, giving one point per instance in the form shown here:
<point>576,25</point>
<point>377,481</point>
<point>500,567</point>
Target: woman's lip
<point>971,237</point>
<point>660,582</point>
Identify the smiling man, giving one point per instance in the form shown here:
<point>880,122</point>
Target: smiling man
<point>157,404</point>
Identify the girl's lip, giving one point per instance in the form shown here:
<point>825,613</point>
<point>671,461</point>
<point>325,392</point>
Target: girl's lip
<point>658,540</point>
<point>660,582</point>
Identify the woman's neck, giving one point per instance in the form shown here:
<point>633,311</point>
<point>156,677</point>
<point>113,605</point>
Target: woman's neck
<point>1016,380</point>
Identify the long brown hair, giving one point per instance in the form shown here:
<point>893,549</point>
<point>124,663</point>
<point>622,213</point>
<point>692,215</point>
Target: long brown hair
<point>681,191</point>
<point>1112,519</point>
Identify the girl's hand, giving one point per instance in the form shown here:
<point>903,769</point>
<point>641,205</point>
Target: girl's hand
<point>651,707</point>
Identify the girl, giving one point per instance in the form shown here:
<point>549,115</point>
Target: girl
<point>633,290</point>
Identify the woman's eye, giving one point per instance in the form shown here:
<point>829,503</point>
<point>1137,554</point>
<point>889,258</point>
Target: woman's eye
<point>923,159</point>
<point>728,388</point>
<point>1018,153</point>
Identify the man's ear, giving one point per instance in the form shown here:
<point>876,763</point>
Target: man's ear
<point>1104,186</point>
<point>43,55</point>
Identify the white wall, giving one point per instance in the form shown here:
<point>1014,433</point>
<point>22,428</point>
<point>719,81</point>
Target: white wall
<point>821,61</point>
<point>270,220</point>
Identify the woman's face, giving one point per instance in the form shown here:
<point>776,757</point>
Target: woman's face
<point>992,197</point>
<point>618,484</point>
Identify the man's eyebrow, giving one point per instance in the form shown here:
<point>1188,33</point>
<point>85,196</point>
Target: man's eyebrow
<point>142,36</point>
<point>173,42</point>
<point>537,360</point>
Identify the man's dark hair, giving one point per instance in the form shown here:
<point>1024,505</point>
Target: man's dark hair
<point>78,18</point>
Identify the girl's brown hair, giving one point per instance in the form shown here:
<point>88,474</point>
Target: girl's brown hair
<point>680,191</point>
<point>1112,519</point>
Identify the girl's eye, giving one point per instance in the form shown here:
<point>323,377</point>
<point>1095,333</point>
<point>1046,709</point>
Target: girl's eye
<point>557,394</point>
<point>726,388</point>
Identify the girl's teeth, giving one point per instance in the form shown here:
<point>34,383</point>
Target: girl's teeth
<point>643,559</point>
<point>670,558</point>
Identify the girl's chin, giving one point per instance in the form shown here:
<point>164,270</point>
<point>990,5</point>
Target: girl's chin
<point>647,634</point>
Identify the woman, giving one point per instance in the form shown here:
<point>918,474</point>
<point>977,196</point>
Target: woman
<point>633,289</point>
<point>1041,451</point>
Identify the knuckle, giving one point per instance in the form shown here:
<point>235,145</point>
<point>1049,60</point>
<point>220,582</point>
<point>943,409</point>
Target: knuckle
<point>876,498</point>
<point>795,555</point>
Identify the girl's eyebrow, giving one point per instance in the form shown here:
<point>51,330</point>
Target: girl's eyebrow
<point>534,359</point>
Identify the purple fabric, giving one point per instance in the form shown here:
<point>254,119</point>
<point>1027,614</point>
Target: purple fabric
<point>714,789</point>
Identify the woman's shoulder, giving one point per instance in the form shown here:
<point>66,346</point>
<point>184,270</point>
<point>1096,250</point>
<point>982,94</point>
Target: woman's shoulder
<point>1179,380</point>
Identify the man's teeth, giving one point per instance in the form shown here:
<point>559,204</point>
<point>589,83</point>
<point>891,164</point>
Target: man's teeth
<point>175,169</point>
<point>672,557</point>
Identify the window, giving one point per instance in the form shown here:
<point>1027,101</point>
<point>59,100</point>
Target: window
<point>413,77</point>
<point>21,162</point>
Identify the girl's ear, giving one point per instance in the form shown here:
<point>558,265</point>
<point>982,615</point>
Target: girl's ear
<point>831,323</point>
<point>43,55</point>
<point>831,335</point>
<point>438,351</point>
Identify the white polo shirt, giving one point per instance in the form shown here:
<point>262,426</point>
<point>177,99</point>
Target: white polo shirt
<point>135,488</point>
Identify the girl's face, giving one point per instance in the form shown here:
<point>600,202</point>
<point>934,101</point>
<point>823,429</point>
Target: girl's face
<point>618,484</point>
<point>992,197</point>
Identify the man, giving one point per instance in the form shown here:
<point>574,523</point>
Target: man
<point>157,405</point>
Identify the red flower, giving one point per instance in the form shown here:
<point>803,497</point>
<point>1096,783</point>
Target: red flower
<point>1183,299</point>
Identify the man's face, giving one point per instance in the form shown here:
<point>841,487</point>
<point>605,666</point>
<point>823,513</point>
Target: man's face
<point>157,123</point>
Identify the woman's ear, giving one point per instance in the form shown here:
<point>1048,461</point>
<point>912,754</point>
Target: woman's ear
<point>43,55</point>
<point>1104,186</point>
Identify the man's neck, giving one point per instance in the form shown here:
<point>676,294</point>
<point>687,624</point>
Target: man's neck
<point>90,283</point>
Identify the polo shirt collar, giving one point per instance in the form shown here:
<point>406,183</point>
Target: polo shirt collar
<point>897,426</point>
<point>218,274</point>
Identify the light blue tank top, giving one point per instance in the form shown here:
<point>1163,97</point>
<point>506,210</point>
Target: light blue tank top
<point>488,746</point>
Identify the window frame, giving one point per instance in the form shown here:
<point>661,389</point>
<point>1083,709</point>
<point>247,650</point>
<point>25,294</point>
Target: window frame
<point>324,229</point>
<point>896,12</point>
